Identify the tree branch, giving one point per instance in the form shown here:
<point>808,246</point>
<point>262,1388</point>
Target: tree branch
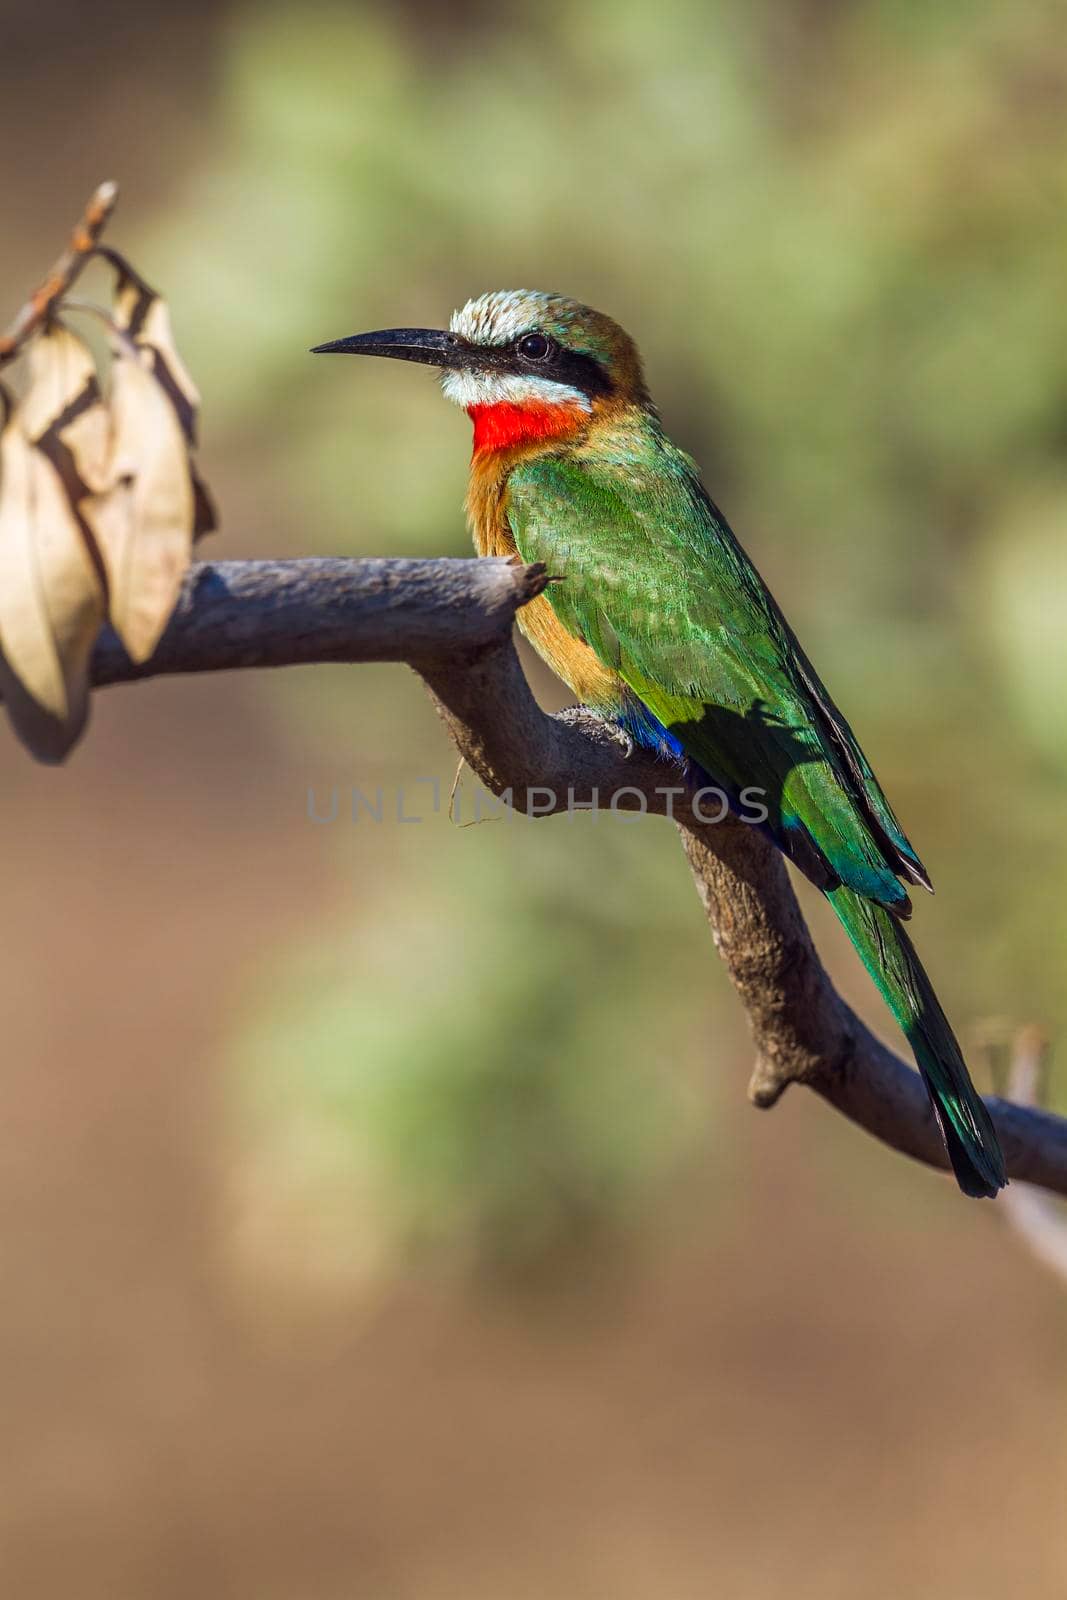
<point>451,620</point>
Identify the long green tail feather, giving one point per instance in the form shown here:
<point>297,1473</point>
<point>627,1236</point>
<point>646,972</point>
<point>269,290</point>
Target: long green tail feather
<point>889,956</point>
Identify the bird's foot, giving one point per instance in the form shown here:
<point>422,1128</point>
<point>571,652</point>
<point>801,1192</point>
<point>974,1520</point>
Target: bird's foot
<point>598,727</point>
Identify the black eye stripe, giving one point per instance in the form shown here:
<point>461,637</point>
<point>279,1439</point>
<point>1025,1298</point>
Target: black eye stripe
<point>570,367</point>
<point>580,372</point>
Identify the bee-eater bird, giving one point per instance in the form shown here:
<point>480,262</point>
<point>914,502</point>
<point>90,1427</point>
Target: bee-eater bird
<point>663,624</point>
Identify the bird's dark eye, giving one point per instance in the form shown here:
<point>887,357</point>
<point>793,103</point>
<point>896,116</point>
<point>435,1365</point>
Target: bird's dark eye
<point>534,346</point>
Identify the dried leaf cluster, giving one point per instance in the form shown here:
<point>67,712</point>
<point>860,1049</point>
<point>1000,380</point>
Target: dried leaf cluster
<point>100,504</point>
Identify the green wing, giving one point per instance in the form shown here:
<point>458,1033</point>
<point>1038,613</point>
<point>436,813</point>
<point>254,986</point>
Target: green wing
<point>657,585</point>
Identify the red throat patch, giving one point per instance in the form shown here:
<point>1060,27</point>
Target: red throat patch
<point>504,426</point>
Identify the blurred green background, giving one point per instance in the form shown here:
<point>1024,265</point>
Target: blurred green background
<point>383,1213</point>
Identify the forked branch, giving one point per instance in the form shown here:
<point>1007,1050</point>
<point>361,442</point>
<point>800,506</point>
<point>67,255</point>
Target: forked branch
<point>452,622</point>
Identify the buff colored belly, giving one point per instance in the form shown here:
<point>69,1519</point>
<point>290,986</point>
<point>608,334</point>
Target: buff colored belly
<point>570,659</point>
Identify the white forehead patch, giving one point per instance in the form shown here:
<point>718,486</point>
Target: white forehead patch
<point>495,318</point>
<point>509,388</point>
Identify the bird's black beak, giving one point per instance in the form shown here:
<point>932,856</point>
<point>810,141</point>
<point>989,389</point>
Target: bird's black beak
<point>428,345</point>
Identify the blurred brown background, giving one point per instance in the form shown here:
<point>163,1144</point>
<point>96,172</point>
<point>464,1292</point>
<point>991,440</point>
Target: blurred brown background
<point>383,1216</point>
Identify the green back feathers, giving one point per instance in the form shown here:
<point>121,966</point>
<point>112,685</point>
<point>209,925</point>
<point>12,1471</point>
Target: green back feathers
<point>657,585</point>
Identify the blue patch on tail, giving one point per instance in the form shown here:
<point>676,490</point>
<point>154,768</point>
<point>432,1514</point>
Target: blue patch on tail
<point>648,731</point>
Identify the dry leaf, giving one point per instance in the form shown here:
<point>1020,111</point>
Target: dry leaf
<point>144,317</point>
<point>64,414</point>
<point>144,523</point>
<point>51,599</point>
<point>99,507</point>
<point>154,505</point>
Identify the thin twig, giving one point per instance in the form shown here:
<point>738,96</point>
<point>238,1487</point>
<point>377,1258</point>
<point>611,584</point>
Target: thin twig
<point>45,298</point>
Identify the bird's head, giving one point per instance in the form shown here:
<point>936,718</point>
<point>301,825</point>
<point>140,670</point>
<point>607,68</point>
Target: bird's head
<point>527,366</point>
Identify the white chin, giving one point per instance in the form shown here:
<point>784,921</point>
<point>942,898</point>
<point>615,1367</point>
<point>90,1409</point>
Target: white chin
<point>468,389</point>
